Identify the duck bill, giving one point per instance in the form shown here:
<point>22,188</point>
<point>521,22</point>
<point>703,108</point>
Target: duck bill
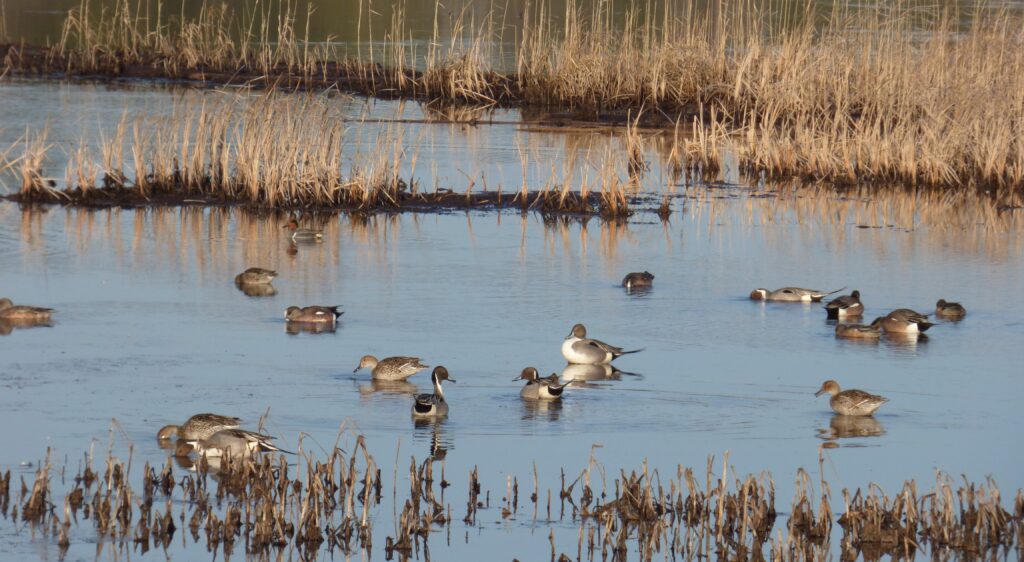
<point>356,370</point>
<point>451,380</point>
<point>820,392</point>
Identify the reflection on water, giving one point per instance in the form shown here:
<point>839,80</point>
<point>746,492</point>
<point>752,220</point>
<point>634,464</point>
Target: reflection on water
<point>257,290</point>
<point>383,387</point>
<point>577,374</point>
<point>295,327</point>
<point>845,427</point>
<point>541,410</point>
<point>434,433</point>
<point>8,325</point>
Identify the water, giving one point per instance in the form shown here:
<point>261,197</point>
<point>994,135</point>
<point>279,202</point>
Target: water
<point>151,329</point>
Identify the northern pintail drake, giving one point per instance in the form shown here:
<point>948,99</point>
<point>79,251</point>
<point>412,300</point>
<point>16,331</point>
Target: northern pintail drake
<point>302,233</point>
<point>791,294</point>
<point>328,314</point>
<point>578,348</point>
<point>255,276</point>
<point>871,331</point>
<point>236,443</point>
<point>391,368</point>
<point>952,310</point>
<point>638,280</point>
<point>9,311</point>
<point>905,321</point>
<point>536,388</point>
<point>851,402</point>
<point>844,306</point>
<point>199,426</point>
<point>432,405</point>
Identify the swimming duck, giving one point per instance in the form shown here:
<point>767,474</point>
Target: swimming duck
<point>237,443</point>
<point>579,349</point>
<point>302,233</point>
<point>540,389</point>
<point>871,331</point>
<point>9,311</point>
<point>638,280</point>
<point>905,321</point>
<point>432,405</point>
<point>199,426</point>
<point>790,294</point>
<point>391,368</point>
<point>255,276</point>
<point>952,310</point>
<point>850,402</point>
<point>328,314</point>
<point>846,305</point>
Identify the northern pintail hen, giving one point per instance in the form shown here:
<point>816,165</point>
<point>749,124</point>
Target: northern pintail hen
<point>905,321</point>
<point>302,233</point>
<point>9,311</point>
<point>871,331</point>
<point>236,443</point>
<point>255,276</point>
<point>578,348</point>
<point>540,389</point>
<point>199,426</point>
<point>844,306</point>
<point>391,368</point>
<point>328,314</point>
<point>851,402</point>
<point>790,294</point>
<point>638,280</point>
<point>951,310</point>
<point>432,405</point>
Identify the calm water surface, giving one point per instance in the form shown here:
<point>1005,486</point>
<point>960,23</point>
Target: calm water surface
<point>150,329</point>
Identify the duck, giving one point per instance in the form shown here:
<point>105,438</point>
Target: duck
<point>391,368</point>
<point>638,280</point>
<point>540,389</point>
<point>844,306</point>
<point>316,313</point>
<point>579,349</point>
<point>302,233</point>
<point>255,276</point>
<point>432,405</point>
<point>199,426</point>
<point>236,443</point>
<point>905,321</point>
<point>871,331</point>
<point>8,311</point>
<point>790,294</point>
<point>851,402</point>
<point>951,310</point>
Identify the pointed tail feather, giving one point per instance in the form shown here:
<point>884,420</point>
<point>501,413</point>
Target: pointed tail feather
<point>624,352</point>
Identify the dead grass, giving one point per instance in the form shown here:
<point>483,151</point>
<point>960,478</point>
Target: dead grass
<point>919,95</point>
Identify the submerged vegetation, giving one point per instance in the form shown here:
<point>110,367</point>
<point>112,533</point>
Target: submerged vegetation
<point>332,503</point>
<point>914,95</point>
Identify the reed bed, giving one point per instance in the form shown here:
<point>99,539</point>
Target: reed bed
<point>274,151</point>
<point>329,502</point>
<point>898,93</point>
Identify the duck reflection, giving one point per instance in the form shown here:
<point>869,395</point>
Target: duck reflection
<point>546,410</point>
<point>8,325</point>
<point>905,343</point>
<point>294,327</point>
<point>257,289</point>
<point>592,373</point>
<point>388,388</point>
<point>846,427</point>
<point>433,430</point>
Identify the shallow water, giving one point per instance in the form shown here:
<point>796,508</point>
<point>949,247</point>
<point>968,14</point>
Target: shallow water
<point>151,329</point>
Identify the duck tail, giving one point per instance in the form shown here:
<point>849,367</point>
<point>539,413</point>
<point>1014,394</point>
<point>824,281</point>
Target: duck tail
<point>629,351</point>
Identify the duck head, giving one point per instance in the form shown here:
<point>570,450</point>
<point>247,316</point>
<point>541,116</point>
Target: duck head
<point>830,386</point>
<point>367,361</point>
<point>528,374</point>
<point>441,374</point>
<point>759,294</point>
<point>578,331</point>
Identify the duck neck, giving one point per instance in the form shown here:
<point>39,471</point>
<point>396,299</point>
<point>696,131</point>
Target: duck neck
<point>437,387</point>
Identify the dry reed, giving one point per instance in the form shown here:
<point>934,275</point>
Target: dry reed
<point>908,94</point>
